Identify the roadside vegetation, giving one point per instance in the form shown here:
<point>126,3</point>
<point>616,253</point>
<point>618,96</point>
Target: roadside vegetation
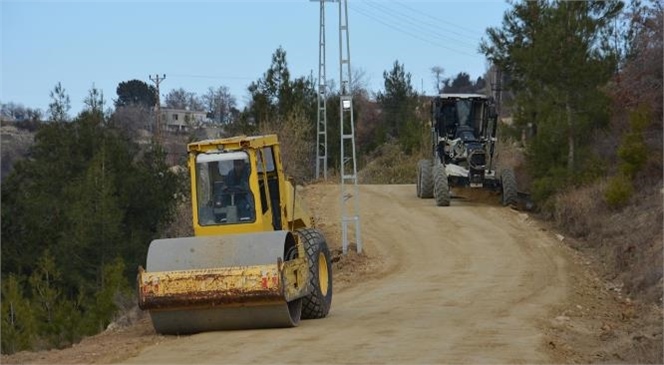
<point>587,112</point>
<point>77,215</point>
<point>83,197</point>
<point>585,91</point>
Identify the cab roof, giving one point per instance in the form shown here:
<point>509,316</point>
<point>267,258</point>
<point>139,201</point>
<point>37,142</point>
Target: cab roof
<point>463,96</point>
<point>234,143</point>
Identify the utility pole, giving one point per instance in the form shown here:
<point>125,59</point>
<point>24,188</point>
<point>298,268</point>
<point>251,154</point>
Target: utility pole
<point>498,89</point>
<point>349,195</point>
<point>321,130</point>
<point>157,131</point>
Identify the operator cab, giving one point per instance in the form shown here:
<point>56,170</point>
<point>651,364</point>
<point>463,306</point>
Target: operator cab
<point>463,137</point>
<point>460,116</point>
<point>224,195</point>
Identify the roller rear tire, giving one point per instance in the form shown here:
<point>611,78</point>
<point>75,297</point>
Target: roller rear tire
<point>317,303</point>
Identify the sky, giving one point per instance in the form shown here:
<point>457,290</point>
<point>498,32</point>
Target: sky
<point>215,43</point>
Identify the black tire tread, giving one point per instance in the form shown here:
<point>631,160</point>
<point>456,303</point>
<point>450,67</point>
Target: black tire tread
<point>508,187</point>
<point>424,179</point>
<point>315,305</point>
<point>441,189</point>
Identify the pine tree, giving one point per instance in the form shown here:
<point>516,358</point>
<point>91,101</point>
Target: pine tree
<point>85,199</point>
<point>113,285</point>
<point>94,101</point>
<point>59,107</point>
<point>274,96</point>
<point>18,321</point>
<point>554,54</point>
<point>399,101</point>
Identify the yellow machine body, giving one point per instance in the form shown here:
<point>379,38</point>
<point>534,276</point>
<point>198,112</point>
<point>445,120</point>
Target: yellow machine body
<point>246,266</point>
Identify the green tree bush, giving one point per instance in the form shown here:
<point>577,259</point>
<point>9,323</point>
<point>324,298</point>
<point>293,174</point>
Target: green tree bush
<point>275,95</point>
<point>19,326</point>
<point>77,219</point>
<point>632,156</point>
<point>558,58</point>
<point>399,102</point>
<point>633,152</point>
<point>136,93</point>
<point>618,191</point>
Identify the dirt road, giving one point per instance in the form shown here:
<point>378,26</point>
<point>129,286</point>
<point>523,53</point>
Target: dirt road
<point>468,283</point>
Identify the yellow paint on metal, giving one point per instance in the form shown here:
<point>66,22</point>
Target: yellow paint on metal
<point>234,143</point>
<point>300,218</point>
<point>296,277</point>
<point>239,285</point>
<point>242,285</point>
<point>323,274</point>
<point>228,286</point>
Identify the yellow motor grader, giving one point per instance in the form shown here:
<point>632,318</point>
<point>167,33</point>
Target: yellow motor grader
<point>256,260</point>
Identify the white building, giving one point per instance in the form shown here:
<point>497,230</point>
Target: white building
<point>182,120</point>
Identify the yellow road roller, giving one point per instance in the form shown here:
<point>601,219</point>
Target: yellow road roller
<point>256,259</point>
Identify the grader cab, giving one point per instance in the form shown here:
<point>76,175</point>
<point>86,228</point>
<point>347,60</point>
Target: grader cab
<point>463,141</point>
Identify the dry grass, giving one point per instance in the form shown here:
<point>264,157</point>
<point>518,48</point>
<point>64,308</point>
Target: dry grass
<point>510,154</point>
<point>627,241</point>
<point>389,165</point>
<point>575,210</point>
<point>182,225</point>
<point>297,147</point>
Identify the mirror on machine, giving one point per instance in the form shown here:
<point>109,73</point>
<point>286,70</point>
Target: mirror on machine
<point>224,195</point>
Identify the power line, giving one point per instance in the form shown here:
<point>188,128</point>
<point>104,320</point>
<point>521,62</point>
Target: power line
<point>432,29</point>
<point>211,77</point>
<point>401,30</point>
<point>438,20</point>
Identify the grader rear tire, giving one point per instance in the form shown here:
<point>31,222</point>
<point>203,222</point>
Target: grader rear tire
<point>424,179</point>
<point>508,187</point>
<point>441,188</point>
<point>317,303</point>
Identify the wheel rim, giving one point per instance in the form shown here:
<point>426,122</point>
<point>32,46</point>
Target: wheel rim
<point>323,275</point>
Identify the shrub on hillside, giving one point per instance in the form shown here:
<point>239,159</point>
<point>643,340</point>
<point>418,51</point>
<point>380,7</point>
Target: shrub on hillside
<point>544,188</point>
<point>633,152</point>
<point>576,209</point>
<point>389,165</point>
<point>633,155</point>
<point>619,191</point>
<point>296,141</point>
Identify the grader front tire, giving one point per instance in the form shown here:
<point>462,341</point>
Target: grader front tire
<point>424,179</point>
<point>441,189</point>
